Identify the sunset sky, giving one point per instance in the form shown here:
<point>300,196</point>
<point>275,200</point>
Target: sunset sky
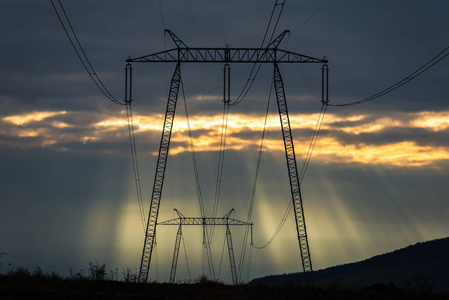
<point>378,176</point>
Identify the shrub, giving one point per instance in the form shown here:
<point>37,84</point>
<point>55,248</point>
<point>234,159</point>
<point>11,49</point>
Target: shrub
<point>129,275</point>
<point>97,271</point>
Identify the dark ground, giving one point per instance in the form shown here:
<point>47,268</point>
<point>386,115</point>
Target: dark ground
<point>422,267</point>
<point>46,287</point>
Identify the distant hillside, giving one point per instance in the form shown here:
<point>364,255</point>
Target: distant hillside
<point>421,267</point>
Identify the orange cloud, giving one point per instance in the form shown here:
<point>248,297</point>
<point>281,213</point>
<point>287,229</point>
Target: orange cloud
<point>398,154</point>
<point>207,130</point>
<point>38,116</point>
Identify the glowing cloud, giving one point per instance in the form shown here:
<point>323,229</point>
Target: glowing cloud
<point>244,133</point>
<point>24,119</point>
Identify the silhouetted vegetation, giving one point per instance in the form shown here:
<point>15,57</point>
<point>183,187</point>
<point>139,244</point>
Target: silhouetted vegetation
<point>99,283</point>
<point>414,273</point>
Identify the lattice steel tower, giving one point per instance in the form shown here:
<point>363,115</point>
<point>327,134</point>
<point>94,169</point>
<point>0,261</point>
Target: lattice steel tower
<point>184,54</point>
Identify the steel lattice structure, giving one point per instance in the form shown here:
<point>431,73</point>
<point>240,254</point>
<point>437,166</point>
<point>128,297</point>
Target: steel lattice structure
<point>215,221</point>
<point>270,54</point>
<point>292,171</point>
<point>156,195</point>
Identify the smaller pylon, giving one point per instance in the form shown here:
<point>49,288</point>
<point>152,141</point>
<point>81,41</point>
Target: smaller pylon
<point>224,221</point>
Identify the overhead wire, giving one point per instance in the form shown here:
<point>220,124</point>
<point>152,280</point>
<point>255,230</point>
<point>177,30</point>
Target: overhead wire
<point>187,260</point>
<point>301,176</point>
<point>237,101</point>
<point>313,141</point>
<point>251,79</point>
<point>132,141</point>
<point>220,167</point>
<point>428,65</point>
<point>253,189</point>
<point>302,172</point>
<point>277,21</point>
<point>82,56</point>
<point>221,259</point>
<point>306,160</point>
<point>222,151</point>
<point>162,15</point>
<point>250,257</point>
<point>197,182</point>
<point>310,17</point>
<point>192,151</point>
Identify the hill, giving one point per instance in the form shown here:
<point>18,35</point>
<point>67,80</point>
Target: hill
<point>420,267</point>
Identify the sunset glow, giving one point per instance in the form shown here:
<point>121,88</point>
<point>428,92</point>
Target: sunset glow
<point>206,134</point>
<point>24,119</point>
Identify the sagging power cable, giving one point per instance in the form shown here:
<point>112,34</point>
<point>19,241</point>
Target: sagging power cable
<point>301,175</point>
<point>256,67</point>
<point>185,253</point>
<point>132,142</point>
<point>206,243</point>
<point>79,50</point>
<point>222,151</point>
<point>313,141</point>
<point>436,59</point>
<point>253,189</point>
<point>220,167</point>
<point>310,17</point>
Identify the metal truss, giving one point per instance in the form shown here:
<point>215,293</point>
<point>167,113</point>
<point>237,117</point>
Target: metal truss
<point>150,233</point>
<point>175,255</point>
<point>270,54</point>
<point>225,221</point>
<point>204,221</point>
<point>292,171</point>
<point>227,55</point>
<point>231,255</point>
<point>184,54</point>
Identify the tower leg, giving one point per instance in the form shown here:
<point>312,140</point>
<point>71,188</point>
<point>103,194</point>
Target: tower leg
<point>150,233</point>
<point>231,255</point>
<point>176,254</point>
<point>292,171</point>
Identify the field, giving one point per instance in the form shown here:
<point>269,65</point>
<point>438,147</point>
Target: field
<point>23,284</point>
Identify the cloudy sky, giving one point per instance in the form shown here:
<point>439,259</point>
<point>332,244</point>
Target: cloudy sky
<point>377,180</point>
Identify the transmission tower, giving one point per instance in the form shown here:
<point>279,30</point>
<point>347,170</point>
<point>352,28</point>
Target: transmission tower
<point>227,55</point>
<point>214,221</point>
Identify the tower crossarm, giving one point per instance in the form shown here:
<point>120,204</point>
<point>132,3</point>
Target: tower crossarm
<point>203,221</point>
<point>175,39</point>
<point>227,55</point>
<point>275,43</point>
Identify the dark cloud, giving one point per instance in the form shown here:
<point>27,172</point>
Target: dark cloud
<point>420,136</point>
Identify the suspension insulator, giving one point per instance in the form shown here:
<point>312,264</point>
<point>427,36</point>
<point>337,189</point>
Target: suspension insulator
<point>227,83</point>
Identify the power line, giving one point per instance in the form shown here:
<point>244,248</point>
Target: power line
<point>253,188</point>
<point>310,17</point>
<point>301,176</point>
<point>185,253</point>
<point>313,141</point>
<point>132,141</point>
<point>436,59</point>
<point>162,15</point>
<point>220,167</point>
<point>192,150</point>
<point>82,54</point>
<point>251,78</point>
<point>206,242</point>
<point>250,81</point>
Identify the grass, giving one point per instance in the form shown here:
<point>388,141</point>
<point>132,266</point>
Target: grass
<point>99,283</point>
